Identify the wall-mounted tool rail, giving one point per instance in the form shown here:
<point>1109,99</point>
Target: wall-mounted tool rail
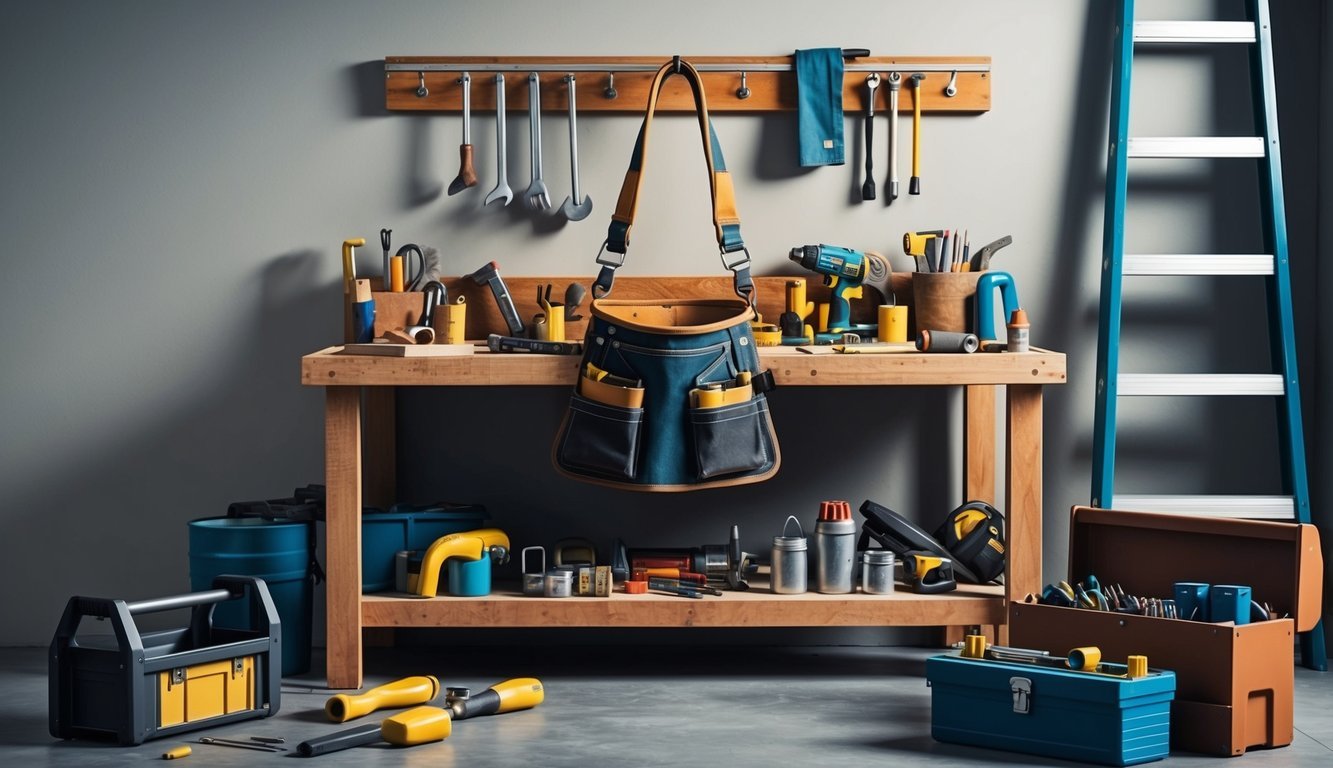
<point>620,83</point>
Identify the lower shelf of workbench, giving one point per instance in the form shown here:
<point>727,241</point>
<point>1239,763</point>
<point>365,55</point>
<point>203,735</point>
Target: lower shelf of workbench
<point>968,605</point>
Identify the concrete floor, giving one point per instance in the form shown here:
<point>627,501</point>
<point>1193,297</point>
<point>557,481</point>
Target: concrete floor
<point>630,707</point>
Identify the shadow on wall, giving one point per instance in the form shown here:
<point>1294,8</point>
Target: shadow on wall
<point>1083,193</point>
<point>246,434</point>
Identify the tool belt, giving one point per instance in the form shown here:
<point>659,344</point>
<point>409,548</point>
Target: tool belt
<point>670,393</point>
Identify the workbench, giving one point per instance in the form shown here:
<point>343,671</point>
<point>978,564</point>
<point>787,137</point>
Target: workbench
<point>984,377</point>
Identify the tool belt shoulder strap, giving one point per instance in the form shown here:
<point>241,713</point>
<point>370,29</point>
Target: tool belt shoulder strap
<point>726,221</point>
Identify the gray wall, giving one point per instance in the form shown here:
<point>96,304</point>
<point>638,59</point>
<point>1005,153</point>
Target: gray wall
<point>178,178</point>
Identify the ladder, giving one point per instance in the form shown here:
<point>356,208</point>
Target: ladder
<point>1281,384</point>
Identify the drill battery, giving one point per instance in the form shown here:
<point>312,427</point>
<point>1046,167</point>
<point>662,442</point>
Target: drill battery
<point>131,686</point>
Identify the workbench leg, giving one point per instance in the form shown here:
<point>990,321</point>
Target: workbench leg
<point>342,478</point>
<point>381,475</point>
<point>978,460</point>
<point>1022,503</point>
<point>979,448</point>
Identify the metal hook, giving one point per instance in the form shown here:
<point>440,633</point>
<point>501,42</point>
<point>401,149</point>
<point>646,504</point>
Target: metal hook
<point>610,91</point>
<point>421,85</point>
<point>744,91</point>
<point>951,90</point>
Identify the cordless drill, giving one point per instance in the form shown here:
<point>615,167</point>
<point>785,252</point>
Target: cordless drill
<point>844,271</point>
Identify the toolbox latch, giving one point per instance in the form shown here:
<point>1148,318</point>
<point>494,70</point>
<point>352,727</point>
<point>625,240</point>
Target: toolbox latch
<point>178,675</point>
<point>1021,687</point>
<point>237,667</point>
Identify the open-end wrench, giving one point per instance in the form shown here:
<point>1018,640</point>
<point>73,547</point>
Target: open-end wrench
<point>868,185</point>
<point>576,206</point>
<point>536,197</point>
<point>502,190</point>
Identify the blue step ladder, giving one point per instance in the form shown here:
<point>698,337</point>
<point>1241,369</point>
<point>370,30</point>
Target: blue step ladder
<point>1282,383</point>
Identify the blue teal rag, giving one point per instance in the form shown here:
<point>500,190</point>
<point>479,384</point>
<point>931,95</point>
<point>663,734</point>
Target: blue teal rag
<point>819,106</point>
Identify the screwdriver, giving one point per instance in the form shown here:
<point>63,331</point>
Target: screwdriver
<point>406,692</point>
<point>423,725</point>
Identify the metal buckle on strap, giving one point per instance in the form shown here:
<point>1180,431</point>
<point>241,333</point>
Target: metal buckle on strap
<point>615,264</point>
<point>734,265</point>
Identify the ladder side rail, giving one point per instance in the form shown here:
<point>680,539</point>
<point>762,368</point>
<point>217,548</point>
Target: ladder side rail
<point>1113,249</point>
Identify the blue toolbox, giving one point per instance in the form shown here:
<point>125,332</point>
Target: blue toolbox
<point>131,686</point>
<point>1027,701</point>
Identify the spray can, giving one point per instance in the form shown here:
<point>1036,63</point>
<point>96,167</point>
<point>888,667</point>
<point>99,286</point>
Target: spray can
<point>835,548</point>
<point>789,560</point>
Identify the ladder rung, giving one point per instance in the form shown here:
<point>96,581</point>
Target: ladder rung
<point>1198,264</point>
<point>1196,146</point>
<point>1170,384</point>
<point>1193,32</point>
<point>1265,507</point>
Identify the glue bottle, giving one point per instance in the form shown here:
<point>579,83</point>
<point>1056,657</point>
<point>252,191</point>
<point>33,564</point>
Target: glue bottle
<point>835,548</point>
<point>1017,332</point>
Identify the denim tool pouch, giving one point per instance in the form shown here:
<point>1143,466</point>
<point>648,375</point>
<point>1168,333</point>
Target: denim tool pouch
<point>670,394</point>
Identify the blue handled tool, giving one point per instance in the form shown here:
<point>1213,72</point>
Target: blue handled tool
<point>845,271</point>
<point>987,284</point>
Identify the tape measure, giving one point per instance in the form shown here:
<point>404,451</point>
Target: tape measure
<point>974,535</point>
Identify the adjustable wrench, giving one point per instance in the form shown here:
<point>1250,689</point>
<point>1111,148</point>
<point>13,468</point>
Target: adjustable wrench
<point>502,190</point>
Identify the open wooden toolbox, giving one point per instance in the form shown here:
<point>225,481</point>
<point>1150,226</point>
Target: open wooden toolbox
<point>1233,683</point>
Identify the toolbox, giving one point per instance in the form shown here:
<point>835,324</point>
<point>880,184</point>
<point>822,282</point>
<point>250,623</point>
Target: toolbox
<point>1099,717</point>
<point>1233,683</point>
<point>132,686</point>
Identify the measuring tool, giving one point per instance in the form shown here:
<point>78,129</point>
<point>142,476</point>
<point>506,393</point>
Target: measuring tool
<point>497,343</point>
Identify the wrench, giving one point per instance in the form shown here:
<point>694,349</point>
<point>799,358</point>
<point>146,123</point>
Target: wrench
<point>576,207</point>
<point>868,185</point>
<point>502,190</point>
<point>536,196</point>
<point>895,84</point>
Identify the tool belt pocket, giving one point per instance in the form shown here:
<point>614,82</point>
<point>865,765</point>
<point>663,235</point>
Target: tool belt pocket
<point>731,439</point>
<point>601,438</point>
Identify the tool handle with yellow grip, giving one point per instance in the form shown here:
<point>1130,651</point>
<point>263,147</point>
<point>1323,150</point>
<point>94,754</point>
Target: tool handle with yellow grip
<point>420,725</point>
<point>407,692</point>
<point>509,696</point>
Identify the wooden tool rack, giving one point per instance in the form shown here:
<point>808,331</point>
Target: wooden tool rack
<point>1020,377</point>
<point>770,82</point>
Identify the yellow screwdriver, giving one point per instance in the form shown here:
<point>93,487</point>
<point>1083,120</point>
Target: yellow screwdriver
<point>406,692</point>
<point>423,725</point>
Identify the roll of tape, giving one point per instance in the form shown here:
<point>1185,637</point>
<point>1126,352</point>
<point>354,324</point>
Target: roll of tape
<point>1085,659</point>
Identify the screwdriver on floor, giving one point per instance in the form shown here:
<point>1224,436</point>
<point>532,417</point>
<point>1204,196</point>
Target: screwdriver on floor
<point>423,725</point>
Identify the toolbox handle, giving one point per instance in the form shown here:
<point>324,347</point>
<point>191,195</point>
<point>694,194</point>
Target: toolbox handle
<point>174,602</point>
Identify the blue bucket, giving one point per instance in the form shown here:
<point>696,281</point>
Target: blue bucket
<point>280,553</point>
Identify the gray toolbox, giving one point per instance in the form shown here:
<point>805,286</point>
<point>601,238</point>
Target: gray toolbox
<point>131,687</point>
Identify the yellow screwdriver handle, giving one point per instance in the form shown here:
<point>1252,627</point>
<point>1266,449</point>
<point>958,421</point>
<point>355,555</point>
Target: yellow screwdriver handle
<point>519,693</point>
<point>406,692</point>
<point>420,725</point>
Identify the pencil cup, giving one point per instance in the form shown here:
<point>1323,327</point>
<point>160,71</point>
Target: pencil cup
<point>943,300</point>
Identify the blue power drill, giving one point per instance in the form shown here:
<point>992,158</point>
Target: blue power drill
<point>844,271</point>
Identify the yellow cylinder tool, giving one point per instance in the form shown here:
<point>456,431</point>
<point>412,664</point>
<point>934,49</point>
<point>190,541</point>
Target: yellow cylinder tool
<point>468,545</point>
<point>406,692</point>
<point>1085,659</point>
<point>176,753</point>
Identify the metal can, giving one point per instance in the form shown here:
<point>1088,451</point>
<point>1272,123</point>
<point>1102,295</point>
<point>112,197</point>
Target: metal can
<point>789,570</point>
<point>877,572</point>
<point>560,582</point>
<point>835,548</point>
<point>534,582</point>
